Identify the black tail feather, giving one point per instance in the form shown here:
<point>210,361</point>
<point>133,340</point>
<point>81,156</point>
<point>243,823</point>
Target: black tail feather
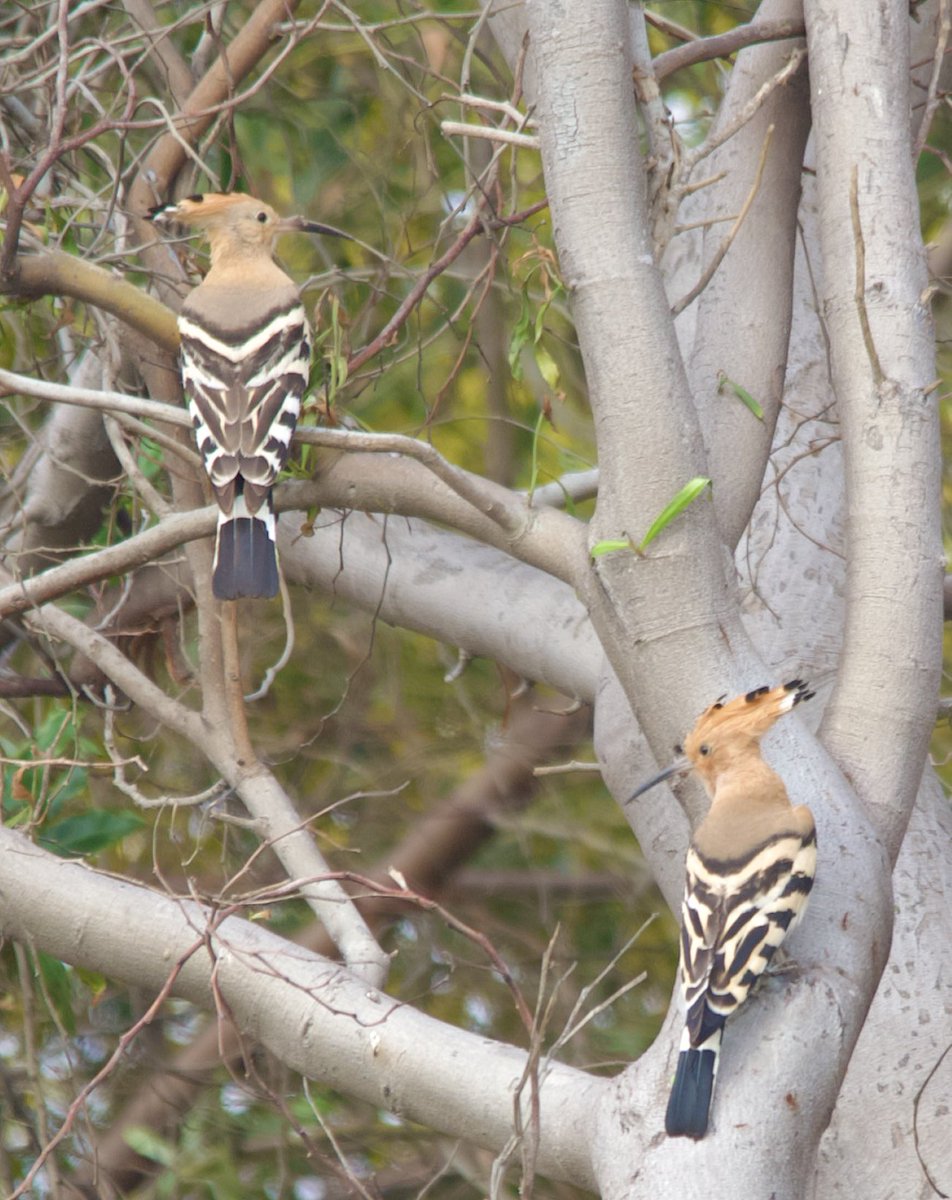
<point>245,561</point>
<point>690,1100</point>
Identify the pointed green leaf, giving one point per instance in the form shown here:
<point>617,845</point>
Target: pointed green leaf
<point>520,337</point>
<point>687,495</point>
<point>742,394</point>
<point>609,546</point>
<point>548,368</point>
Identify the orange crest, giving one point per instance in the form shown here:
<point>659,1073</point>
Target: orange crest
<point>748,716</point>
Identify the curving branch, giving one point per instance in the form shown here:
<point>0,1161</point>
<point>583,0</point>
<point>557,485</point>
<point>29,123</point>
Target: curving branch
<point>56,273</point>
<point>314,1015</point>
<point>276,820</point>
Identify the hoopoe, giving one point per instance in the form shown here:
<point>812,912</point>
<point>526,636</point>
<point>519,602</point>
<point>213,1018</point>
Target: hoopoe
<point>246,356</point>
<point>749,871</point>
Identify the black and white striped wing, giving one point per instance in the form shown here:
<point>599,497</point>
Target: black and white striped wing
<point>244,389</point>
<point>734,916</point>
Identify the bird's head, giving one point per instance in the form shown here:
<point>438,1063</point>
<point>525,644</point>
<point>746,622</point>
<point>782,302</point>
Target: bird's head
<point>236,220</point>
<point>727,731</point>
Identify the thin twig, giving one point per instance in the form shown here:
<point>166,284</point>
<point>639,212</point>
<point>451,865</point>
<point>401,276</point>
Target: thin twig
<point>859,292</point>
<point>566,767</point>
<point>708,274</point>
<point>387,335</point>
<point>747,112</point>
<point>933,98</point>
<point>105,1071</point>
<point>499,106</point>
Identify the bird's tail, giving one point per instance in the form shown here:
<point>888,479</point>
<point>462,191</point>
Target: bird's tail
<point>690,1101</point>
<point>246,563</point>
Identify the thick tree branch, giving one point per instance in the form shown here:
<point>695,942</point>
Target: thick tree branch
<point>56,273</point>
<point>731,337</point>
<point>314,1015</point>
<point>649,441</point>
<point>243,54</point>
<point>881,713</point>
<point>410,573</point>
<point>672,651</point>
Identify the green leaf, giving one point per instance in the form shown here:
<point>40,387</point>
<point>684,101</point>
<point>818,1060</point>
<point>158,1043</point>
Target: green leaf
<point>89,831</point>
<point>687,495</point>
<point>92,980</point>
<point>741,393</point>
<point>149,1145</point>
<point>548,368</point>
<point>520,337</point>
<point>609,546</point>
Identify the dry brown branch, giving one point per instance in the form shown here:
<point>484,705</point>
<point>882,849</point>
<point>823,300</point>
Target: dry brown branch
<point>933,96</point>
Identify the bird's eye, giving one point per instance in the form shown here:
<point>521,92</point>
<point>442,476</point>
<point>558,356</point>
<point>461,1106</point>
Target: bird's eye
<point>678,749</point>
<point>262,217</point>
<point>705,749</point>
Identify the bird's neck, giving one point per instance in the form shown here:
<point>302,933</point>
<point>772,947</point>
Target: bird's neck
<point>233,259</point>
<point>748,779</point>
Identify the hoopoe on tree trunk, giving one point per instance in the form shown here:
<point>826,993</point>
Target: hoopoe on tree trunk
<point>749,871</point>
<point>246,357</point>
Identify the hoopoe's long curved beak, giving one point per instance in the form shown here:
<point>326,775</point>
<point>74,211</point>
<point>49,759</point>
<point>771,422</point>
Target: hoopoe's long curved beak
<point>303,225</point>
<point>678,767</point>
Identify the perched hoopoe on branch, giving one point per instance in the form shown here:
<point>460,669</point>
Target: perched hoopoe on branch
<point>750,868</point>
<point>246,356</point>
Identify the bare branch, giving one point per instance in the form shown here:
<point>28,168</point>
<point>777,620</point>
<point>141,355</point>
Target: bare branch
<point>505,137</point>
<point>56,273</point>
<point>723,45</point>
<point>747,112</point>
<point>708,273</point>
<point>316,1016</point>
